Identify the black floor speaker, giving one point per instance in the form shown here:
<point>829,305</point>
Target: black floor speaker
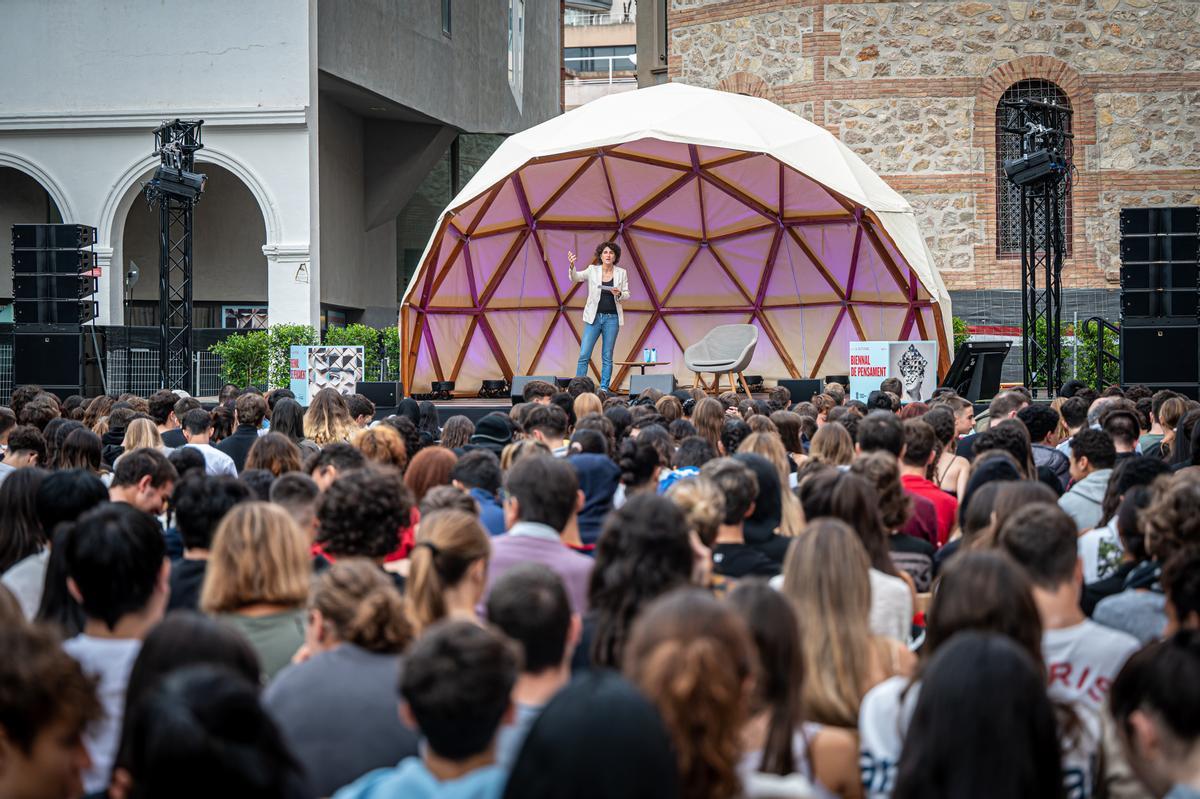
<point>639,383</point>
<point>517,392</point>
<point>1160,354</point>
<point>384,395</point>
<point>802,390</point>
<point>52,359</point>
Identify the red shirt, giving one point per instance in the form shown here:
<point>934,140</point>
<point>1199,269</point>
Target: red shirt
<point>945,504</point>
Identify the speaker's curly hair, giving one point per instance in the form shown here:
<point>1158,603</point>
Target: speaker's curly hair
<point>694,658</point>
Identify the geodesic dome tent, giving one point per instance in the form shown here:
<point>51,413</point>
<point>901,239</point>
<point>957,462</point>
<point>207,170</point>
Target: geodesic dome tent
<point>727,209</point>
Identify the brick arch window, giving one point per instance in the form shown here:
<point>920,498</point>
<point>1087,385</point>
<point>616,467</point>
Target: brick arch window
<point>1008,196</point>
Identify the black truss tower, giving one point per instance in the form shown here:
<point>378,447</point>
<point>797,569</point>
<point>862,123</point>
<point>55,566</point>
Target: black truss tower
<point>175,143</point>
<point>1042,127</point>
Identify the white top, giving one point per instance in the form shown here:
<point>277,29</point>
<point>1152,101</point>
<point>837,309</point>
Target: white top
<point>891,606</point>
<point>25,579</point>
<point>883,719</point>
<point>594,275</point>
<point>801,782</point>
<point>216,462</point>
<point>109,660</point>
<point>1081,663</point>
<point>1100,551</point>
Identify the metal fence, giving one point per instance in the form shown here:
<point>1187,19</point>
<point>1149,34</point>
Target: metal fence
<point>6,385</point>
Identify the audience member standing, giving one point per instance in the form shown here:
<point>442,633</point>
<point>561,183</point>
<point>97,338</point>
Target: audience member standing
<point>200,503</point>
<point>1092,459</point>
<point>250,410</point>
<point>197,430</point>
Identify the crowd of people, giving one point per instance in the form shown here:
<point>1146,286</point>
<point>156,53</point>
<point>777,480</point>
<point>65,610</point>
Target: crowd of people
<point>600,596</point>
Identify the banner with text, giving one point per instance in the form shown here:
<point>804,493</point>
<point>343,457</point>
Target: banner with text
<point>914,363</point>
<point>314,368</point>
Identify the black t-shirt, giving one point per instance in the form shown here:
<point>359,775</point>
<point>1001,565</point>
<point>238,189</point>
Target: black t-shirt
<point>174,438</point>
<point>187,576</point>
<point>914,556</point>
<point>741,560</point>
<point>607,303</point>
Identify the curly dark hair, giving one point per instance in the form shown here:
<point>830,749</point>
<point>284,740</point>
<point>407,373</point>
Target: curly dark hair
<point>612,245</point>
<point>362,513</point>
<point>408,431</point>
<point>643,552</point>
<point>1171,523</point>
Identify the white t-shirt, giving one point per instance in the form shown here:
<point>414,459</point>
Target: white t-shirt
<point>1081,663</point>
<point>26,579</point>
<point>883,719</point>
<point>1100,551</point>
<point>802,768</point>
<point>216,462</point>
<point>109,660</point>
<point>891,606</point>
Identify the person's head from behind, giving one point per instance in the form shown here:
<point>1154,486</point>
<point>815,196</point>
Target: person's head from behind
<point>46,703</point>
<point>538,391</point>
<point>529,604</point>
<point>333,461</point>
<point>298,494</point>
<point>455,688</point>
<point>599,711</point>
<point>200,502</point>
<point>833,445</point>
<point>880,430</point>
<point>477,469</point>
<point>1091,451</point>
<point>1074,413</point>
<point>1123,427</point>
<point>694,659</point>
<point>920,445</point>
<point>642,553</point>
<point>542,489</point>
<point>117,567</point>
<point>251,409</point>
<point>362,513</point>
<point>328,418</point>
<point>738,483</point>
<point>26,447</point>
<point>274,452</point>
<point>144,478</point>
<point>775,629</point>
<point>1181,583</point>
<point>980,691</point>
<point>361,409</point>
<point>1005,406</point>
<point>693,452</point>
<point>258,556</point>
<point>187,726</point>
<point>141,432</point>
<point>1041,538</point>
<point>355,602</point>
<point>1155,702</point>
<point>197,426</point>
<point>702,504</point>
<point>381,444</point>
<point>448,569</point>
<point>64,495</point>
<point>1040,420</point>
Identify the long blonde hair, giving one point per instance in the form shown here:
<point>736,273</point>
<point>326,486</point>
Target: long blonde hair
<point>769,446</point>
<point>448,543</point>
<point>826,575</point>
<point>258,555</point>
<point>328,418</point>
<point>141,434</point>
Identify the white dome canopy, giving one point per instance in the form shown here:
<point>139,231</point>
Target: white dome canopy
<point>727,209</point>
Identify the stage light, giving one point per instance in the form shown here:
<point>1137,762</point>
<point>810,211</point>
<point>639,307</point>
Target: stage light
<point>179,182</point>
<point>443,389</point>
<point>494,389</point>
<point>754,382</point>
<point>1036,167</point>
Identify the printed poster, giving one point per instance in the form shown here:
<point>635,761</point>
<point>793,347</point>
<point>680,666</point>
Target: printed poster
<point>913,362</point>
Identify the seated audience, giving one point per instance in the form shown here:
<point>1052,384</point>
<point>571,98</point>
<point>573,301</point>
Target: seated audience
<point>478,473</point>
<point>250,410</point>
<point>1043,422</point>
<point>275,453</point>
<point>919,456</point>
<point>257,580</point>
<point>199,503</point>
<point>1092,461</point>
<point>361,515</point>
<point>333,461</point>
<point>448,571</point>
<point>455,689</point>
<point>335,706</point>
<point>733,557</point>
<point>912,556</point>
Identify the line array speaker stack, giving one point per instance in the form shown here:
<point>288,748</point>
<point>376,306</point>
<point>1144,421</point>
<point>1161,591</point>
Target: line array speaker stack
<point>1160,298</point>
<point>54,274</point>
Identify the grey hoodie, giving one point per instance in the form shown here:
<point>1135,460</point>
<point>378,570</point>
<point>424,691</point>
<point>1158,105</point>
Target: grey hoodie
<point>1082,502</point>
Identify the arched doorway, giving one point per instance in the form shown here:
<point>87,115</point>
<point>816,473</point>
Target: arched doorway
<point>229,268</point>
<point>22,200</point>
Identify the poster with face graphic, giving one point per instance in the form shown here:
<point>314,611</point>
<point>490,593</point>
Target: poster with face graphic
<point>914,363</point>
<point>314,368</point>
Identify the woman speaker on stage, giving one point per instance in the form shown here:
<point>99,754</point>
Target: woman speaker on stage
<point>608,287</point>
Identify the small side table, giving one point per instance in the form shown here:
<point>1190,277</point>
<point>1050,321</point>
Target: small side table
<point>642,364</point>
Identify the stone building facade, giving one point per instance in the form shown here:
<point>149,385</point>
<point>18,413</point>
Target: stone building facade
<point>913,88</point>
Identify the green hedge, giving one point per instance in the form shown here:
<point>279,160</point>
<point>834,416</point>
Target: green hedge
<point>260,357</point>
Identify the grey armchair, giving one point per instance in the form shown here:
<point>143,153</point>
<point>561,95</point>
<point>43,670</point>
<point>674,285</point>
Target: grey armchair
<point>726,349</point>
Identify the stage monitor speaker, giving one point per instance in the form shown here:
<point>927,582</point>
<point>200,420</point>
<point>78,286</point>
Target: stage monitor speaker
<point>1156,354</point>
<point>802,390</point>
<point>52,237</point>
<point>50,357</point>
<point>843,379</point>
<point>384,395</point>
<point>975,373</point>
<point>58,262</point>
<point>517,392</point>
<point>639,383</point>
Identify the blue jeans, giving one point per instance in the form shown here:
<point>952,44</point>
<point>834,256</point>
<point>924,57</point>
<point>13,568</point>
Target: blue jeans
<point>606,325</point>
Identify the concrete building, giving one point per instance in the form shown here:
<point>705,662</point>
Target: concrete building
<point>335,131</point>
<point>599,49</point>
<point>914,88</point>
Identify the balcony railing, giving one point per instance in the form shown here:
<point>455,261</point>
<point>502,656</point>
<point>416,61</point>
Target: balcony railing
<point>578,18</point>
<point>610,64</point>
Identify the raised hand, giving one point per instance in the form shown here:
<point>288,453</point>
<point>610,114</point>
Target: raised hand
<point>571,257</point>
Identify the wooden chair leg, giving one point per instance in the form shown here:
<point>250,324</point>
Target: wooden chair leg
<point>742,378</point>
<point>716,384</point>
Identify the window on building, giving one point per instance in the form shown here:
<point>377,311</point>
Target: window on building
<point>596,59</point>
<point>446,18</point>
<point>1008,196</point>
<point>516,48</point>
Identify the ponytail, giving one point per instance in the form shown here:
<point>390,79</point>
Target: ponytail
<point>448,543</point>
